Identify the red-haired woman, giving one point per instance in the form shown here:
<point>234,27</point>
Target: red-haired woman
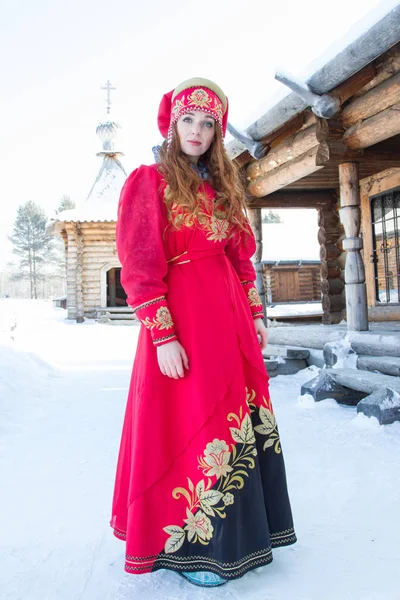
<point>200,485</point>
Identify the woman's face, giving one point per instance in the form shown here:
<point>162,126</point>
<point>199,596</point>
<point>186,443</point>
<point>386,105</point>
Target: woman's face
<point>196,132</point>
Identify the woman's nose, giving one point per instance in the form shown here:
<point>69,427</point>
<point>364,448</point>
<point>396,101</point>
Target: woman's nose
<point>196,128</point>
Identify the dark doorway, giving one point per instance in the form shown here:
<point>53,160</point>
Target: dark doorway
<point>385,210</point>
<point>116,295</point>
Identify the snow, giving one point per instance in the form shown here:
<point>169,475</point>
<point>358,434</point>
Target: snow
<point>300,228</point>
<point>358,29</point>
<point>274,311</point>
<point>346,357</point>
<point>391,401</point>
<point>102,202</point>
<point>63,389</point>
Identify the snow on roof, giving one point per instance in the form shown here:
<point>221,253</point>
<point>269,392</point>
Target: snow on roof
<point>102,202</point>
<point>370,37</point>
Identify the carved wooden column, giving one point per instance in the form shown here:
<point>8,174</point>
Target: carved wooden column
<point>79,273</point>
<point>256,225</point>
<point>350,216</point>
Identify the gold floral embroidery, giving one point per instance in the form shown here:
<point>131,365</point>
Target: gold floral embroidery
<point>200,98</point>
<point>218,109</point>
<point>218,229</point>
<point>253,297</point>
<point>250,395</point>
<point>162,320</point>
<point>268,427</point>
<point>204,501</point>
<point>178,105</point>
<point>198,525</point>
<point>213,221</point>
<point>216,459</point>
<point>229,465</point>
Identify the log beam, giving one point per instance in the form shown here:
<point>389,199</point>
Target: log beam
<point>386,66</point>
<point>354,84</point>
<point>373,102</point>
<point>290,148</point>
<point>295,199</point>
<point>309,162</point>
<point>356,293</point>
<point>380,127</point>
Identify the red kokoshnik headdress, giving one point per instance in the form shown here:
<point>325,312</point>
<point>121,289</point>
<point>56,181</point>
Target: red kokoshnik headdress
<point>193,94</point>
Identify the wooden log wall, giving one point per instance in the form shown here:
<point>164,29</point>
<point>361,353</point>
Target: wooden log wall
<point>296,157</point>
<point>291,282</point>
<point>332,286</point>
<point>99,250</point>
<point>89,247</point>
<point>71,273</point>
<point>373,115</point>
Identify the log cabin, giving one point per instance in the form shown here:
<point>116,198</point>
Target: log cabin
<point>336,148</point>
<point>88,231</point>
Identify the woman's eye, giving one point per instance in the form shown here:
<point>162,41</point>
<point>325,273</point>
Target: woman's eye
<point>187,120</point>
<point>209,124</point>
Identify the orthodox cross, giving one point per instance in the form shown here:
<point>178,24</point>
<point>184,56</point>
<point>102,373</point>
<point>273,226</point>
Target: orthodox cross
<point>108,87</point>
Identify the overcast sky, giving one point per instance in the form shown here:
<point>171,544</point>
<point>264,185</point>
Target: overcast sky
<point>56,55</point>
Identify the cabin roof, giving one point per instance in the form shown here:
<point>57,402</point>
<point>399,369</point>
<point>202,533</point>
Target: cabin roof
<point>377,33</point>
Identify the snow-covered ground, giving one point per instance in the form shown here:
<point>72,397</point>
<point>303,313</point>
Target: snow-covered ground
<point>292,309</point>
<point>62,396</point>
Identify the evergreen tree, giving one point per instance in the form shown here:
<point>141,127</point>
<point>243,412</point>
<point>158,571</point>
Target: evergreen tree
<point>65,204</point>
<point>32,244</point>
<point>271,217</point>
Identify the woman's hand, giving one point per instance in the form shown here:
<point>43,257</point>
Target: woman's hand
<point>171,359</point>
<point>262,331</point>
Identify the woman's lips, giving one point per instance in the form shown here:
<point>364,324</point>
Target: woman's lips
<point>194,143</point>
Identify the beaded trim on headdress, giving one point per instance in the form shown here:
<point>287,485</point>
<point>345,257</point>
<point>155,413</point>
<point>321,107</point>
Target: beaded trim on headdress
<point>192,99</point>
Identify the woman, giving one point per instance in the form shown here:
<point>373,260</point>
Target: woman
<point>200,485</point>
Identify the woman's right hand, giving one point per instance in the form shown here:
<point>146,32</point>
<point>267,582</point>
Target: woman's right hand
<point>172,359</point>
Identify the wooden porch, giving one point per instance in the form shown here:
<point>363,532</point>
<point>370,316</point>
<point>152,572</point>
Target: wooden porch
<point>337,164</point>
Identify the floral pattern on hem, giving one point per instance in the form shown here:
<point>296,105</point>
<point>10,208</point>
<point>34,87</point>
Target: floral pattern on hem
<point>229,464</point>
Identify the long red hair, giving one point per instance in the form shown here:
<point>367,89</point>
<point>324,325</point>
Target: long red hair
<point>183,181</point>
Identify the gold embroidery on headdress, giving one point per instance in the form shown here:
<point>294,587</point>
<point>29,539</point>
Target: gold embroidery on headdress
<point>200,98</point>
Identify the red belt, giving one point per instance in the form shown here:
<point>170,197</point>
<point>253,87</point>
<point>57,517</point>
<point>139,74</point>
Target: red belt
<point>195,255</point>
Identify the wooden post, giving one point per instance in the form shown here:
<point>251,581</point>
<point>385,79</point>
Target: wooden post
<point>79,273</point>
<point>256,225</point>
<point>356,293</point>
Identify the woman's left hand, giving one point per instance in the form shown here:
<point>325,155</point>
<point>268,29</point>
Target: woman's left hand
<point>262,331</point>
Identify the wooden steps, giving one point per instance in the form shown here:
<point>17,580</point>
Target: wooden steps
<point>116,315</point>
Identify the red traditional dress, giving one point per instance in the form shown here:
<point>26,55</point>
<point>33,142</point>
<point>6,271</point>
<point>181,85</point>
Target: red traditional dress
<point>200,481</point>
